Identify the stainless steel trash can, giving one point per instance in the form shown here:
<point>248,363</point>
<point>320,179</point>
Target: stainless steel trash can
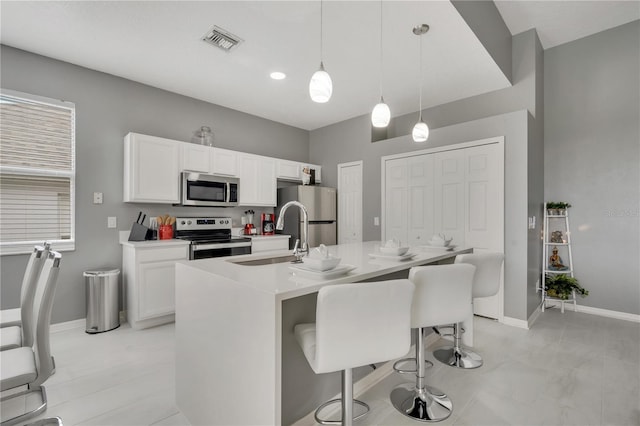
<point>102,300</point>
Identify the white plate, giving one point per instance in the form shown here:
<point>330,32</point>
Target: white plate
<point>391,256</point>
<point>430,247</point>
<point>312,273</point>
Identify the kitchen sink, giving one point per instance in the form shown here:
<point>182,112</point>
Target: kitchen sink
<point>267,261</point>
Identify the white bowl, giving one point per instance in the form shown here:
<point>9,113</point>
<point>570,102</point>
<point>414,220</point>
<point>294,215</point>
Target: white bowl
<point>397,251</point>
<point>321,263</point>
<point>440,243</point>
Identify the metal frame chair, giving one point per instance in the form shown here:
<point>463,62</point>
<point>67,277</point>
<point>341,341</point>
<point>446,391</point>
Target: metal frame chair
<point>32,366</point>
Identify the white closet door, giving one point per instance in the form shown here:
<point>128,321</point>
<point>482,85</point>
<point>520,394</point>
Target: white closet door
<point>449,195</point>
<point>395,218</point>
<point>420,199</point>
<point>350,202</point>
<point>484,192</point>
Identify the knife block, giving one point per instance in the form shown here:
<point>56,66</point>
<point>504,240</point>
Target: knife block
<point>138,232</point>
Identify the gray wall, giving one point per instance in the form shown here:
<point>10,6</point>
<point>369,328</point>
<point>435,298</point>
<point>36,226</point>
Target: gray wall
<point>508,112</point>
<point>592,98</point>
<point>107,108</point>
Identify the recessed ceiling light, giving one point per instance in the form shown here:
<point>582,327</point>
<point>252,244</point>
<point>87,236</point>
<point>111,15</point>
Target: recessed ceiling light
<point>277,75</point>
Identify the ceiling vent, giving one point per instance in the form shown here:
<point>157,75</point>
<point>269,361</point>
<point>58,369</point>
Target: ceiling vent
<point>221,38</point>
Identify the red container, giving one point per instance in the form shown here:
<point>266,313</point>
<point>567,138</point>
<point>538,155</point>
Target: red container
<point>267,225</point>
<point>165,232</point>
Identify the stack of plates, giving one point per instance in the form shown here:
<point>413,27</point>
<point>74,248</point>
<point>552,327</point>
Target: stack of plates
<point>391,256</point>
<point>305,271</point>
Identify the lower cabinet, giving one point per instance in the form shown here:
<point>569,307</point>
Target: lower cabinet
<point>149,278</point>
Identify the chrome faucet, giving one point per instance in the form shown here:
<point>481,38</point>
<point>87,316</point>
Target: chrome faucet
<point>298,251</point>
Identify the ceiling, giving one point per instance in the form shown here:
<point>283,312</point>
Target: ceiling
<point>159,43</point>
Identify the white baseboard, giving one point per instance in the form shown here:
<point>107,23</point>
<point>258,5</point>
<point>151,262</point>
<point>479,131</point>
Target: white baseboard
<point>366,383</point>
<point>514,322</point>
<point>79,323</point>
<point>598,311</point>
<point>69,325</point>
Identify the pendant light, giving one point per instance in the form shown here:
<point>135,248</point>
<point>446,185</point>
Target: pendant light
<point>381,114</point>
<point>320,86</point>
<point>420,130</point>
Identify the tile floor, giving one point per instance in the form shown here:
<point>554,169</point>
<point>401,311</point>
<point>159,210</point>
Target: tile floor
<point>569,369</point>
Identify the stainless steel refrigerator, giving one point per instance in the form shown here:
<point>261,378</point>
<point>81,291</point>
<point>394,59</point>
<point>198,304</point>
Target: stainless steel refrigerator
<point>320,202</point>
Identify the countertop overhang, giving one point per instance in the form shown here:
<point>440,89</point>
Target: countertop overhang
<point>281,281</point>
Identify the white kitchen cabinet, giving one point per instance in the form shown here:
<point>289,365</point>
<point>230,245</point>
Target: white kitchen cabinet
<point>289,170</point>
<point>292,170</point>
<point>196,158</point>
<point>149,280</point>
<point>262,243</point>
<point>151,169</point>
<point>258,186</point>
<point>224,162</point>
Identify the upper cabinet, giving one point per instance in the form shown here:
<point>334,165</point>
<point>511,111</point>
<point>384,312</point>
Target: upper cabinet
<point>292,170</point>
<point>151,169</point>
<point>224,162</point>
<point>258,185</point>
<point>196,158</point>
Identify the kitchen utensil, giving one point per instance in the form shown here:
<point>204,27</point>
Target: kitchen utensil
<point>138,230</point>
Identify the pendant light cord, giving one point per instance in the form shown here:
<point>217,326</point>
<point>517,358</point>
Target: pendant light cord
<point>321,55</point>
<point>380,49</point>
<point>420,119</point>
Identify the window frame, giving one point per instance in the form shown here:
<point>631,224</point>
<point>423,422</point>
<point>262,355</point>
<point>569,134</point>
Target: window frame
<point>25,247</point>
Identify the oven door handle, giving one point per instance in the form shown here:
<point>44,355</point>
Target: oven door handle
<point>209,246</point>
<point>228,193</point>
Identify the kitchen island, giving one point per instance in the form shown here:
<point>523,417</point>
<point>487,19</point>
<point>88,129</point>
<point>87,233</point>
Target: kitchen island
<point>237,361</point>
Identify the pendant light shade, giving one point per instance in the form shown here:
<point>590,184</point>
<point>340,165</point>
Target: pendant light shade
<point>420,131</point>
<point>320,86</point>
<point>381,114</point>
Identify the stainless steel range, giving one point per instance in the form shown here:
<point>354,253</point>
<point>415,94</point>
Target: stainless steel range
<point>210,237</point>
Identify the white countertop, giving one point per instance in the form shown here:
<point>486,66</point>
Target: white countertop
<point>278,279</point>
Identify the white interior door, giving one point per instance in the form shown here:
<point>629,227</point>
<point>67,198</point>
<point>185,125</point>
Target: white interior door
<point>395,208</point>
<point>420,197</point>
<point>484,217</point>
<point>350,202</point>
<point>458,192</point>
<point>449,195</point>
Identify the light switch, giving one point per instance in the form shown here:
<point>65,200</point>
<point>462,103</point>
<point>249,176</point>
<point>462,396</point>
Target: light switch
<point>97,198</point>
<point>376,221</point>
<point>532,222</point>
<point>112,222</point>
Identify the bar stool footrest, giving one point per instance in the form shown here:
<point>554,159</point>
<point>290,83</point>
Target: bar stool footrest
<point>397,369</point>
<point>339,401</point>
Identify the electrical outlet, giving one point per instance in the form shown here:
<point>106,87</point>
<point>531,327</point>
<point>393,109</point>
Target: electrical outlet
<point>112,222</point>
<point>97,198</point>
<point>376,221</point>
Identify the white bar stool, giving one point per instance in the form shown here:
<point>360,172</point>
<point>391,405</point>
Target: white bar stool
<point>356,324</point>
<point>486,283</point>
<point>442,296</point>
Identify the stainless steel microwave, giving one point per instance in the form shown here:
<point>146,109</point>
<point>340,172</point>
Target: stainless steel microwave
<point>199,189</point>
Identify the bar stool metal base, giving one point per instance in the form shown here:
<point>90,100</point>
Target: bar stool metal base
<point>427,405</point>
<point>458,357</point>
<point>339,422</point>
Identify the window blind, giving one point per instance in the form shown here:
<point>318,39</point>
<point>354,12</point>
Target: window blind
<point>37,172</point>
